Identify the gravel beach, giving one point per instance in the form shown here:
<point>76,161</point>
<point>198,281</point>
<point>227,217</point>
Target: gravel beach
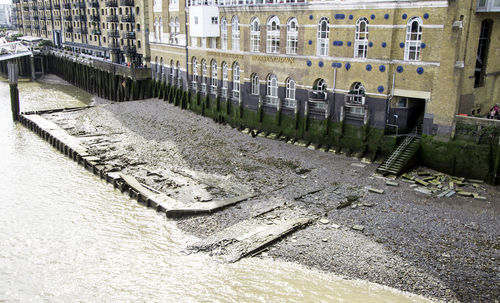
<point>443,248</point>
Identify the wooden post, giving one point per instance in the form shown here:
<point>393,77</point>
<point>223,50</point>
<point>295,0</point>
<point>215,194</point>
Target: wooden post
<point>14,92</point>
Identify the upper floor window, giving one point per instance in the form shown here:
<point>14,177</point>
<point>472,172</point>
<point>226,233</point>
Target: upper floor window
<point>172,29</point>
<point>482,52</point>
<point>323,36</point>
<point>413,39</point>
<point>194,66</point>
<point>273,35</point>
<point>254,35</point>
<point>255,84</point>
<point>223,33</point>
<point>357,93</point>
<point>292,36</point>
<point>361,38</point>
<point>235,34</point>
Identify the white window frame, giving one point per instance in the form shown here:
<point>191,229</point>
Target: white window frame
<point>255,84</point>
<point>292,36</point>
<point>224,79</point>
<point>290,94</point>
<point>236,81</point>
<point>194,68</point>
<point>255,35</point>
<point>203,76</point>
<point>272,91</point>
<point>323,39</point>
<point>223,34</point>
<point>273,35</point>
<point>361,38</point>
<point>235,34</point>
<point>358,90</point>
<point>171,24</point>
<point>413,39</point>
<point>213,82</point>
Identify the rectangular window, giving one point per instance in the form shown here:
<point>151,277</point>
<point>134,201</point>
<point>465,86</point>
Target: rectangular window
<point>403,102</point>
<point>196,20</point>
<point>204,42</point>
<point>215,20</point>
<point>213,42</point>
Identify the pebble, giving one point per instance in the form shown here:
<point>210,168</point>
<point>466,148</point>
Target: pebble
<point>358,227</point>
<point>324,240</point>
<point>336,226</point>
<point>324,221</point>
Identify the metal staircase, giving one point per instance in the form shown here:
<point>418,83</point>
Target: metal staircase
<point>403,154</point>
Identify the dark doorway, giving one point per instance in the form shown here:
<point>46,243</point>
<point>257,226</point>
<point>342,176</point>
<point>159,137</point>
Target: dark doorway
<point>406,113</point>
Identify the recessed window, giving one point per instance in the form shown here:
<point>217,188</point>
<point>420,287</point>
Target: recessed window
<point>215,20</point>
<point>255,84</point>
<point>413,39</point>
<point>195,19</point>
<point>361,38</point>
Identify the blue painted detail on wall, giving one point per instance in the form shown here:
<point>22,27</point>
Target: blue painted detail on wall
<point>309,63</point>
<point>402,44</point>
<point>381,68</point>
<point>349,43</point>
<point>336,64</point>
<point>399,69</point>
<point>422,45</point>
<point>347,66</point>
<point>320,63</point>
<point>351,17</point>
<point>370,44</point>
<point>372,16</point>
<point>338,43</point>
<point>311,17</point>
<point>384,45</point>
<point>339,16</point>
<point>380,88</point>
<point>310,42</point>
<point>420,70</point>
<point>426,16</point>
<point>404,16</point>
<point>386,16</point>
<point>368,67</point>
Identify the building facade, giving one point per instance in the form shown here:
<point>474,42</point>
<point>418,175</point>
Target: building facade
<point>389,65</point>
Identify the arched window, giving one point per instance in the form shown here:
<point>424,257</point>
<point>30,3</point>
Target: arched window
<point>290,93</point>
<point>361,38</point>
<point>223,33</point>
<point>292,36</point>
<point>235,33</point>
<point>160,70</point>
<point>172,71</point>
<point>203,76</point>
<point>357,93</point>
<point>413,39</point>
<point>255,84</point>
<point>254,35</point>
<point>323,36</point>
<point>272,90</point>
<point>172,30</point>
<point>178,74</point>
<point>236,81</point>
<point>213,84</point>
<point>273,35</point>
<point>194,72</point>
<point>224,79</point>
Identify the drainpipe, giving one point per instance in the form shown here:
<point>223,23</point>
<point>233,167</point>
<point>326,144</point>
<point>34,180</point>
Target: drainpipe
<point>389,102</point>
<point>187,43</point>
<point>333,91</point>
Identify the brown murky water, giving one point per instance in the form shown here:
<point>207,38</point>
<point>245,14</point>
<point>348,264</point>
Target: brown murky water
<point>65,236</point>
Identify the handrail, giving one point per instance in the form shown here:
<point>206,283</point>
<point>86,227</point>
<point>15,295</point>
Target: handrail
<point>399,149</point>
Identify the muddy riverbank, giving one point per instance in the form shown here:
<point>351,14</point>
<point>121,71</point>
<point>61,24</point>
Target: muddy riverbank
<point>445,248</point>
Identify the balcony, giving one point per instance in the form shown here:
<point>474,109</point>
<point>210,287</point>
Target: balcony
<point>80,18</point>
<point>95,18</point>
<point>129,49</point>
<point>66,5</point>
<point>112,18</point>
<point>113,45</point>
<point>487,6</point>
<point>128,35</point>
<point>68,18</point>
<point>112,3</point>
<point>94,3</point>
<point>68,29</point>
<point>79,5</point>
<point>127,18</point>
<point>123,70</point>
<point>127,2</point>
<point>354,99</point>
<point>96,32</point>
<point>113,33</point>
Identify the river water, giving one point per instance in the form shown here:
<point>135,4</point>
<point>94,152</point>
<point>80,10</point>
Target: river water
<point>66,236</point>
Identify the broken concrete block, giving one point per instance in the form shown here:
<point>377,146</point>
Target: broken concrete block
<point>451,185</point>
<point>391,183</point>
<point>476,181</point>
<point>323,149</point>
<point>478,197</point>
<point>443,193</point>
<point>424,173</point>
<point>368,204</point>
<point>413,185</point>
<point>358,227</point>
<point>375,190</point>
<point>407,177</point>
<point>423,191</point>
<point>451,193</point>
<point>465,193</point>
<point>302,143</point>
<point>408,181</point>
<point>272,136</point>
<point>262,134</point>
<point>358,165</point>
<point>246,130</point>
<point>311,147</point>
<point>428,178</point>
<point>421,182</point>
